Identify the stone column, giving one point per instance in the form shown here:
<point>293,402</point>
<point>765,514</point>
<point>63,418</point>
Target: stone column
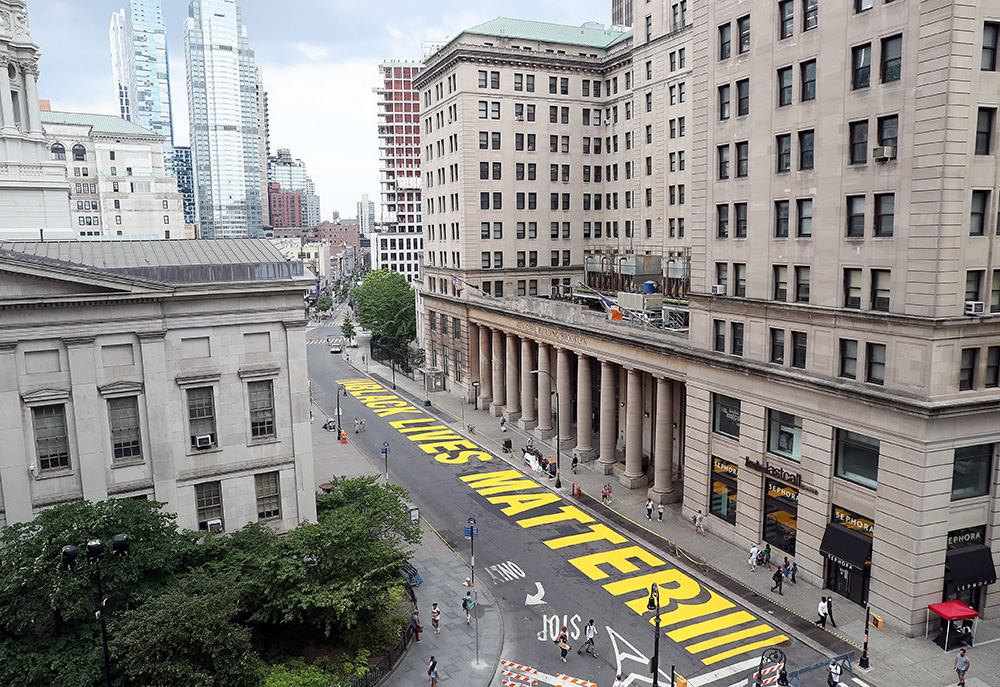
<point>513,408</point>
<point>496,407</point>
<point>528,420</point>
<point>663,451</point>
<point>473,361</point>
<point>633,476</point>
<point>6,101</point>
<point>15,459</point>
<point>485,369</point>
<point>565,398</point>
<point>30,71</point>
<point>166,408</point>
<point>609,408</point>
<point>544,392</point>
<point>584,409</point>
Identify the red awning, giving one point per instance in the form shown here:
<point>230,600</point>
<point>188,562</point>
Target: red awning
<point>953,610</point>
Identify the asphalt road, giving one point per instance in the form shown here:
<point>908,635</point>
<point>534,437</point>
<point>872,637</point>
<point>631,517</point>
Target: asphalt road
<point>548,560</point>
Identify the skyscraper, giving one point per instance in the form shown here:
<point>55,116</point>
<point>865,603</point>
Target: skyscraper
<point>185,182</point>
<point>366,215</point>
<point>224,119</point>
<point>140,68</point>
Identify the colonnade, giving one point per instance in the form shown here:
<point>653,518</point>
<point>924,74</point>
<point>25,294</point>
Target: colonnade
<point>634,416</point>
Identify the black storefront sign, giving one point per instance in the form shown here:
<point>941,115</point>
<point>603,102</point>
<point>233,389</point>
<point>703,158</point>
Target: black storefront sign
<point>968,566</point>
<point>847,545</point>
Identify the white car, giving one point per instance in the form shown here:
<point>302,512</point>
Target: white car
<point>337,347</point>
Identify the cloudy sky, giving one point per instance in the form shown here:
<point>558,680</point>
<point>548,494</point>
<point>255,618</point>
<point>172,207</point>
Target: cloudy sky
<point>319,60</point>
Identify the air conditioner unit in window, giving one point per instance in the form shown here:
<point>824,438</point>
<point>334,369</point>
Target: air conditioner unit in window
<point>203,441</point>
<point>215,525</point>
<point>519,118</point>
<point>450,120</point>
<point>974,307</point>
<point>718,289</point>
<point>884,153</point>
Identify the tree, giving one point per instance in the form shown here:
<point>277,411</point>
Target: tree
<point>324,303</point>
<point>347,328</point>
<point>387,307</point>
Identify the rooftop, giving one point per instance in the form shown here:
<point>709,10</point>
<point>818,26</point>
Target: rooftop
<point>98,123</point>
<point>523,29</point>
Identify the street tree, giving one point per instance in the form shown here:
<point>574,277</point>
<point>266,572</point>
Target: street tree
<point>347,328</point>
<point>324,303</point>
<point>386,306</point>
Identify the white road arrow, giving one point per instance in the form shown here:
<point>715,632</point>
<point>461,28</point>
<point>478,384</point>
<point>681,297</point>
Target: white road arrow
<point>535,599</point>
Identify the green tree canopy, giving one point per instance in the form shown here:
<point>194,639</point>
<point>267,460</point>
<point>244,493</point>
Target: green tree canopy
<point>387,307</point>
<point>347,327</point>
<point>324,303</point>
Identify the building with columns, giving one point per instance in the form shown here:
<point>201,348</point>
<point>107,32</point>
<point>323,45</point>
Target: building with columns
<point>164,370</point>
<point>819,367</point>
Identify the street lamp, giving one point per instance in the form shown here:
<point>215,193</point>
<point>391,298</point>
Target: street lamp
<point>95,552</point>
<point>556,392</point>
<point>475,394</point>
<point>654,604</point>
<point>340,387</point>
<point>776,656</point>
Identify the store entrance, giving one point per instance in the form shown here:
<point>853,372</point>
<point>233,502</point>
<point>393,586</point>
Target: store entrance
<point>847,581</point>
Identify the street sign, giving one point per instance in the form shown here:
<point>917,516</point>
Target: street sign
<point>471,531</point>
<point>385,444</point>
<point>385,452</point>
<point>472,521</point>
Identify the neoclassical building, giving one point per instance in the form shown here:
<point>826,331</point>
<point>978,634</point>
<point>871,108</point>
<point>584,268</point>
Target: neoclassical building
<point>813,358</point>
<point>166,370</point>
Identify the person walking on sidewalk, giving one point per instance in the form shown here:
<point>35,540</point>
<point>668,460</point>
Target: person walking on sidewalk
<point>659,512</point>
<point>432,670</point>
<point>467,605</point>
<point>699,523</point>
<point>821,611</point>
<point>767,553</point>
<point>435,617</point>
<point>611,495</point>
<point>753,557</point>
<point>962,665</point>
<point>778,578</point>
<point>604,494</point>
<point>562,642</point>
<point>829,611</point>
<point>415,624</point>
<point>834,670</point>
<point>649,509</point>
<point>576,461</point>
<point>503,424</point>
<point>793,571</point>
<point>591,633</point>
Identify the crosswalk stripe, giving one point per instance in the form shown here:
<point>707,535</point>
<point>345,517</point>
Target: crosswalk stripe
<point>860,682</point>
<point>722,673</point>
<point>744,649</point>
<point>727,638</point>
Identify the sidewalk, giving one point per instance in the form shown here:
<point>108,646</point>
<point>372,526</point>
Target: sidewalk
<point>443,573</point>
<point>896,660</point>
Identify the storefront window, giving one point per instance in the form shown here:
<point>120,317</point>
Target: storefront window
<point>781,506</point>
<point>857,458</point>
<point>726,416</point>
<point>724,482</point>
<point>784,435</point>
<point>847,546</point>
<point>972,471</point>
<point>970,591</point>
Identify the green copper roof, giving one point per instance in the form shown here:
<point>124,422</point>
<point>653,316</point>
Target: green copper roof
<point>550,33</point>
<point>99,123</point>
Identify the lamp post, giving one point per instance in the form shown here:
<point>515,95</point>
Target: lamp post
<point>556,392</point>
<point>340,387</point>
<point>776,656</point>
<point>475,394</point>
<point>654,604</point>
<point>95,552</point>
<point>863,662</point>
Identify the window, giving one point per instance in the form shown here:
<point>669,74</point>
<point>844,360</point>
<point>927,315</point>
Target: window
<point>881,282</point>
<point>984,130</point>
<point>859,142</point>
<point>799,341</point>
<point>51,438</point>
<point>649,27</point>
<point>498,259</point>
<point>781,218</point>
<point>783,145</point>
<point>807,74</point>
<point>852,288</point>
<point>79,153</point>
<point>720,335</point>
<point>856,216</point>
<point>123,414</point>
<point>494,110</point>
<point>742,159</point>
<point>495,139</point>
<point>784,86</point>
<point>807,142</point>
<point>208,501</point>
<point>780,515</point>
<point>721,273</point>
<point>529,83</point>
<point>724,95</point>
<point>863,5</point>
<point>995,292</point>
<point>977,214</point>
<point>724,490</point>
<point>892,58</point>
<point>786,12</point>
<point>725,44</point>
<point>494,79</point>
<point>726,416</point>
<point>993,367</point>
<point>801,284</point>
<point>740,279</point>
<point>780,282</point>
<point>973,284</point>
<point>778,346</point>
<point>743,27</point>
<point>518,82</point>
<point>743,97</point>
<point>484,111</point>
<point>201,415</point>
<point>261,396</point>
<point>805,216</point>
<point>991,31</point>
<point>885,204</point>
<point>861,66</point>
<point>875,359</point>
<point>740,210</point>
<point>973,471</point>
<point>849,358</point>
<point>58,151</point>
<point>268,495</point>
<point>724,162</point>
<point>482,78</point>
<point>857,458</point>
<point>737,329</point>
<point>810,14</point>
<point>967,369</point>
<point>784,435</point>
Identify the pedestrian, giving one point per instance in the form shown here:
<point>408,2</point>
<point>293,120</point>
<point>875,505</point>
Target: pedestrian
<point>576,461</point>
<point>821,610</point>
<point>778,578</point>
<point>415,624</point>
<point>467,606</point>
<point>611,495</point>
<point>829,611</point>
<point>564,646</point>
<point>834,671</point>
<point>531,443</point>
<point>793,571</point>
<point>767,550</point>
<point>362,360</point>
<point>699,523</point>
<point>503,424</point>
<point>357,425</point>
<point>432,670</point>
<point>659,512</point>
<point>649,509</point>
<point>362,424</point>
<point>591,633</point>
<point>962,665</point>
<point>618,681</point>
<point>753,557</point>
<point>435,617</point>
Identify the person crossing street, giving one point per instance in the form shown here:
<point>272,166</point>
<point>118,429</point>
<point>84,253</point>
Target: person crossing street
<point>591,633</point>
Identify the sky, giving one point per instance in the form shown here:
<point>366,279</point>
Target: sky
<point>319,60</point>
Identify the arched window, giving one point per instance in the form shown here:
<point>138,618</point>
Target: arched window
<point>58,151</point>
<point>79,153</point>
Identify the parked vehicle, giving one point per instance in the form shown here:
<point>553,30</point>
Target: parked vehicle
<point>336,347</point>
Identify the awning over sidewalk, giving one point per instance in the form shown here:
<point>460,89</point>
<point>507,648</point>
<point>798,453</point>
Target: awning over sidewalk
<point>952,611</point>
<point>846,546</point>
<point>971,566</point>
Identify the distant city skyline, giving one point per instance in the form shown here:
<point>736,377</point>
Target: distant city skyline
<point>319,81</point>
